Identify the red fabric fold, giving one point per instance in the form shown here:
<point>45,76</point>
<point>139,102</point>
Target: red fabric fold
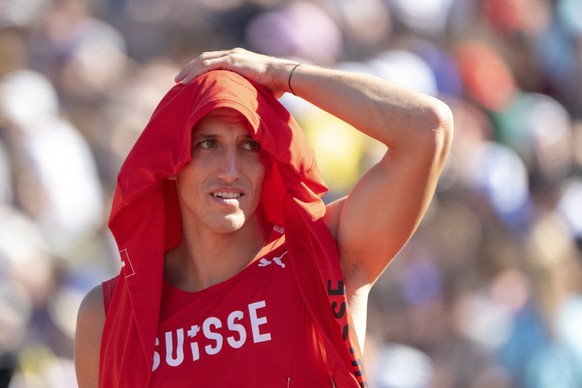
<point>145,222</point>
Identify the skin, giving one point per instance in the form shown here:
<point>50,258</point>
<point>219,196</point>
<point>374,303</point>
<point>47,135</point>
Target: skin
<point>219,193</point>
<point>370,225</point>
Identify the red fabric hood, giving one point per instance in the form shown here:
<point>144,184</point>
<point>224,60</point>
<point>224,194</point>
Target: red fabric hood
<point>145,222</point>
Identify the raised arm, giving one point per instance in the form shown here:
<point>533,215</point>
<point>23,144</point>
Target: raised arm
<point>387,204</point>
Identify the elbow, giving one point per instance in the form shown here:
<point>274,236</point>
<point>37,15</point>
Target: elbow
<point>440,128</point>
<point>439,118</point>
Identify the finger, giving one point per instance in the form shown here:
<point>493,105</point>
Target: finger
<point>199,65</point>
<point>179,78</point>
<point>199,69</point>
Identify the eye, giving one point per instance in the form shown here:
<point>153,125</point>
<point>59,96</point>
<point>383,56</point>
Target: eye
<point>208,144</point>
<point>251,145</point>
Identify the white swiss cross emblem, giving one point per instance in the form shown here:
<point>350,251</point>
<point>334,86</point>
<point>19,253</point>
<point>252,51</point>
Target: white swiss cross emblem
<point>126,265</point>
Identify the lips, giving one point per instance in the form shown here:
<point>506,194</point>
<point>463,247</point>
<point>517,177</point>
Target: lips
<point>227,195</point>
<point>229,198</point>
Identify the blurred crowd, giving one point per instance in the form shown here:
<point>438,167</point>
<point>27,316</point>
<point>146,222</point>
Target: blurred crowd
<point>488,292</point>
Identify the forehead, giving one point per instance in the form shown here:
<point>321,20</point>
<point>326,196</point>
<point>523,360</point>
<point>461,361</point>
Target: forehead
<point>222,116</point>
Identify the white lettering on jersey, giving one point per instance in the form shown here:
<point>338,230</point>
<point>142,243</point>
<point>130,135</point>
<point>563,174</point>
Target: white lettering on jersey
<point>156,357</point>
<point>170,360</point>
<point>240,329</point>
<point>208,322</point>
<point>194,329</point>
<point>208,338</point>
<point>256,322</point>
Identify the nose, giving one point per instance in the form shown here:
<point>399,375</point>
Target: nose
<point>228,169</point>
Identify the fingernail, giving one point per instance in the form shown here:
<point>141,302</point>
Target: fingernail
<point>178,77</point>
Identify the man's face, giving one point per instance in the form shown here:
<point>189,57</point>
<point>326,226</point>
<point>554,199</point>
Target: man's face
<point>220,189</point>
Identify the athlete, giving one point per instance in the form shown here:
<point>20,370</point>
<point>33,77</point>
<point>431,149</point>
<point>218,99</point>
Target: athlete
<point>234,271</point>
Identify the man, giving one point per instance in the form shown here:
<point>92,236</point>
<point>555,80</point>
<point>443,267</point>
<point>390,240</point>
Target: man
<point>234,271</point>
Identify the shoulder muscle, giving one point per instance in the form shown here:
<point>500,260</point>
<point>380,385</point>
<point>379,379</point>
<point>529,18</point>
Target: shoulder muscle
<point>90,322</point>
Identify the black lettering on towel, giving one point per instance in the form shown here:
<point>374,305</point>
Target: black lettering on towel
<point>339,312</point>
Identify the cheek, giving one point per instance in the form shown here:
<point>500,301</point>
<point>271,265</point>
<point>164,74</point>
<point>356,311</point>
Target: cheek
<point>257,167</point>
<point>266,171</point>
<point>186,181</point>
<point>266,165</point>
<point>259,180</point>
<point>258,176</point>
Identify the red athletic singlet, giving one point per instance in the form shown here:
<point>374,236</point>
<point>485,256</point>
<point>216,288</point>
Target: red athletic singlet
<point>252,330</point>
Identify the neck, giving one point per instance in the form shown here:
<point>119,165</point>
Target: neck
<point>203,259</point>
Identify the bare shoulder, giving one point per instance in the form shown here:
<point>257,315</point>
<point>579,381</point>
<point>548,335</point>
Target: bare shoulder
<point>90,323</point>
<point>92,310</point>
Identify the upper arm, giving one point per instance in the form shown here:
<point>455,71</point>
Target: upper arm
<point>90,322</point>
<point>372,224</point>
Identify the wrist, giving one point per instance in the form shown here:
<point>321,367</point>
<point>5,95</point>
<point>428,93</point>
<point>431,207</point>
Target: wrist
<point>282,74</point>
<point>290,78</point>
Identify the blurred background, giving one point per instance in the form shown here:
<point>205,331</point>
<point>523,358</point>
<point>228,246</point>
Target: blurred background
<point>488,291</point>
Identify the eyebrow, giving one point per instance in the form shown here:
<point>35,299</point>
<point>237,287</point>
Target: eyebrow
<point>210,135</point>
<point>200,135</point>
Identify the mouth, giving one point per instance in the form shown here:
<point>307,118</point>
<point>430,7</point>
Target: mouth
<point>227,195</point>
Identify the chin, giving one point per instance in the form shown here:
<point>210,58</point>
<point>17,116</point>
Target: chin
<point>232,223</point>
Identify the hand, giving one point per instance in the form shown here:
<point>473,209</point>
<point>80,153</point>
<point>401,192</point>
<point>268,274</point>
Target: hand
<point>271,72</point>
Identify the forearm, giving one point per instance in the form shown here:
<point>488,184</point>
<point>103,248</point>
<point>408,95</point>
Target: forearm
<point>390,113</point>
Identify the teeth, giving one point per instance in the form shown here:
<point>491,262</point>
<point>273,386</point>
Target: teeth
<point>227,195</point>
